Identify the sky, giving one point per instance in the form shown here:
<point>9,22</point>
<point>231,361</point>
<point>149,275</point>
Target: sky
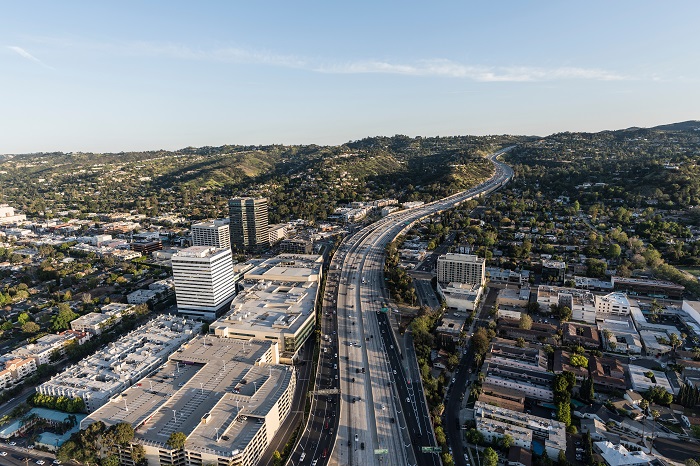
<point>132,75</point>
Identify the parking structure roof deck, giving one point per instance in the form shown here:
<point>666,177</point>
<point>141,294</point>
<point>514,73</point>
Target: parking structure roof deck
<point>216,391</point>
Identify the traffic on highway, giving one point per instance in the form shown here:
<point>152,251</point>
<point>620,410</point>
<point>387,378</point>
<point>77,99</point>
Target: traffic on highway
<point>368,405</point>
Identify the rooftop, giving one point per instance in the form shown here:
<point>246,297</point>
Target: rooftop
<point>216,391</point>
<point>288,268</point>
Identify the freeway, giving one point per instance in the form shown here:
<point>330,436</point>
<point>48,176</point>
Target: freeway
<point>379,414</point>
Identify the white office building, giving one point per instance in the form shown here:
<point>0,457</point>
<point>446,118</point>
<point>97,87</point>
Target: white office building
<point>613,303</point>
<point>204,282</point>
<point>461,268</point>
<point>214,234</point>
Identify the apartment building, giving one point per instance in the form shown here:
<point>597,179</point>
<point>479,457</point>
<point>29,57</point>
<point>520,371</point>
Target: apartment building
<point>111,370</point>
<point>494,422</point>
<point>461,268</point>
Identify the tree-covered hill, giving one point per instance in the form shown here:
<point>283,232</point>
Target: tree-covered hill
<point>301,181</point>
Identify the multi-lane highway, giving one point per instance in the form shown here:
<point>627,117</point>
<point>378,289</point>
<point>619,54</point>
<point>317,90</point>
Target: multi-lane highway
<point>372,411</point>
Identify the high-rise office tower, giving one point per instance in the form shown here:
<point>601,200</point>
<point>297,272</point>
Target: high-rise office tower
<point>214,233</point>
<point>461,268</point>
<point>204,281</point>
<point>249,230</point>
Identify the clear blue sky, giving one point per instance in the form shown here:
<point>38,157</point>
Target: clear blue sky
<point>112,76</point>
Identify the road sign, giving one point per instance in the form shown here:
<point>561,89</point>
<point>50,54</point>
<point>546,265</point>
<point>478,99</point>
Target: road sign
<point>381,451</point>
<point>431,449</point>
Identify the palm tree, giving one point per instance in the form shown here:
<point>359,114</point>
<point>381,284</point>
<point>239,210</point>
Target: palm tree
<point>655,415</point>
<point>644,405</point>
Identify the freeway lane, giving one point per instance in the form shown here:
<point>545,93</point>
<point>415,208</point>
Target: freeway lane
<point>365,405</point>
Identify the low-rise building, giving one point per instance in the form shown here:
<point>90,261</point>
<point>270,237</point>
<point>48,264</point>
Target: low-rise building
<point>656,344</point>
<point>532,383</point>
<point>513,296</point>
<point>43,348</point>
<point>229,398</point>
<point>277,232</point>
<point>538,333</point>
<point>120,364</point>
<point>593,284</point>
<point>297,246</point>
<point>580,334</point>
<point>503,397</point>
<point>581,302</point>
<point>608,373</point>
<point>451,325</point>
<point>620,336</point>
<point>618,455</point>
<point>518,456</point>
<point>494,423</point>
<point>648,287</point>
<point>562,362</point>
<point>95,323</point>
<point>460,296</point>
<point>641,383</point>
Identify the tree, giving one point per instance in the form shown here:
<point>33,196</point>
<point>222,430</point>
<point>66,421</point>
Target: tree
<point>490,457</point>
<point>177,440</point>
<point>578,360</point>
<point>23,318</point>
<point>474,436</point>
<point>111,460</point>
<point>62,320</point>
<point>595,268</point>
<point>565,313</point>
<point>655,310</point>
<point>30,327</point>
<point>691,462</point>
<point>277,459</point>
<point>586,390</point>
<point>440,437</point>
<point>675,341</point>
<point>138,454</point>
<point>123,433</point>
<point>613,251</point>
<point>525,321</point>
<point>561,460</point>
<point>506,442</point>
<point>480,341</point>
<point>520,342</point>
